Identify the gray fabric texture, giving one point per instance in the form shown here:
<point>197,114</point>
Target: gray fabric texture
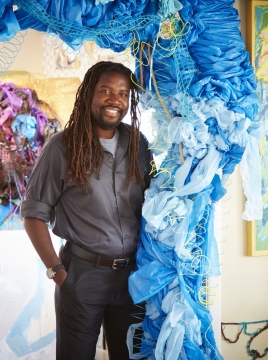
<point>106,221</point>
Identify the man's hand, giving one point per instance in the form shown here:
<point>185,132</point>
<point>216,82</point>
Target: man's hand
<point>38,233</point>
<point>60,277</point>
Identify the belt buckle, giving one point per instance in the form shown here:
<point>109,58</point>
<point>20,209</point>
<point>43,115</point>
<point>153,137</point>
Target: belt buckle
<point>124,264</point>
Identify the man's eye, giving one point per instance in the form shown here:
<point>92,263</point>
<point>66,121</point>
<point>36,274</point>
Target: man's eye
<point>124,94</point>
<point>105,91</point>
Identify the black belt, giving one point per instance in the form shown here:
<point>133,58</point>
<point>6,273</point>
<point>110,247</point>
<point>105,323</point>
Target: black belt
<point>99,259</point>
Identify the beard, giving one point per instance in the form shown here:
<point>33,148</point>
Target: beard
<point>103,121</point>
<point>104,125</point>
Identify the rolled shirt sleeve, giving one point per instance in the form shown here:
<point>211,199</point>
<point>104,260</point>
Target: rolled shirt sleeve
<point>46,183</point>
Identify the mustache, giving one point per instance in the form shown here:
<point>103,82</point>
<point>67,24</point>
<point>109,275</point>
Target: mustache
<point>113,107</point>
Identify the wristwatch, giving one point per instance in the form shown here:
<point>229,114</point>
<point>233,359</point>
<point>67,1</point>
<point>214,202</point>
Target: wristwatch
<point>51,272</point>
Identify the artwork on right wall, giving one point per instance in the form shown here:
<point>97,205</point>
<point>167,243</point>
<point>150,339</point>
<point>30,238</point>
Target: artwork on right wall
<point>257,39</point>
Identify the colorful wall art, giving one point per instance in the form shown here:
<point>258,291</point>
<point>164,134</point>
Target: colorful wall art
<point>257,231</point>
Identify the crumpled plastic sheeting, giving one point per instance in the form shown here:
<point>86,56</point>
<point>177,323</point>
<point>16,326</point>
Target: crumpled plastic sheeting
<point>9,26</point>
<point>202,174</point>
<point>171,334</point>
<point>214,125</point>
<point>171,310</point>
<point>85,15</point>
<point>168,7</point>
<point>225,72</point>
<point>214,128</point>
<point>156,259</point>
<point>215,44</point>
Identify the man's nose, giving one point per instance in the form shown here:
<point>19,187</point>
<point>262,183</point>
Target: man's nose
<point>114,98</point>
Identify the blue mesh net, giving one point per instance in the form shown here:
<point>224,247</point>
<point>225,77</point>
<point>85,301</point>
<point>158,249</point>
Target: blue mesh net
<point>106,35</point>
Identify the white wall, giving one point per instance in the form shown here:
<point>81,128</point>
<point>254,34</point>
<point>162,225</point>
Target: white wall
<point>29,57</point>
<point>244,278</point>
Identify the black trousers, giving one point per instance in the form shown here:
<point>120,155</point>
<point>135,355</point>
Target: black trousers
<point>90,296</point>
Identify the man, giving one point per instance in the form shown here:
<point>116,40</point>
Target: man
<point>89,182</point>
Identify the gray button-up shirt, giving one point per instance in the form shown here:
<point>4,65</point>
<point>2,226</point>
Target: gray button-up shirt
<point>106,221</point>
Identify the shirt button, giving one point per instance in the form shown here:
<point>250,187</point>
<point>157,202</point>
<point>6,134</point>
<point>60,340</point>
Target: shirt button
<point>121,215</point>
<point>118,192</point>
<point>125,236</point>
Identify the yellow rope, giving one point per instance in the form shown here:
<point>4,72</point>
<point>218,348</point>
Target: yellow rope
<point>141,67</point>
<point>161,100</point>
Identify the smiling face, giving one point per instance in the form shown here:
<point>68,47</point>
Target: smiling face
<point>110,102</point>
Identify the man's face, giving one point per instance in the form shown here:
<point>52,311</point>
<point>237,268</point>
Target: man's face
<point>110,100</point>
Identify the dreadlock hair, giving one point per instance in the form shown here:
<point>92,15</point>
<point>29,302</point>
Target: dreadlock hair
<point>84,152</point>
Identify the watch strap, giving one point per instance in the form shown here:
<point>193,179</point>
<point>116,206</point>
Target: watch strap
<point>57,268</point>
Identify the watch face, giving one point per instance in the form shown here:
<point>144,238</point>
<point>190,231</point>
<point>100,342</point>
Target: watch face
<point>50,274</point>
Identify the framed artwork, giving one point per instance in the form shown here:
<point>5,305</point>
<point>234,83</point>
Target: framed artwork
<point>257,41</point>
